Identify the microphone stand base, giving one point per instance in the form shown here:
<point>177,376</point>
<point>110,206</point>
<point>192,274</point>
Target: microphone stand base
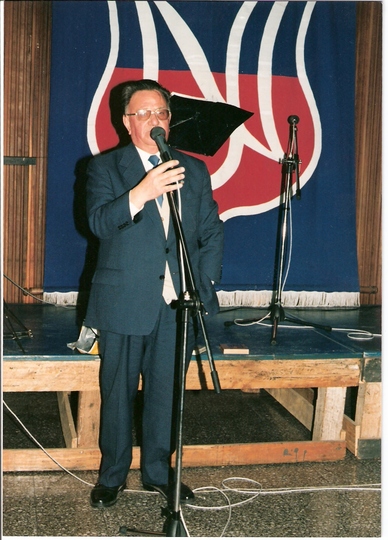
<point>126,531</point>
<point>278,314</point>
<point>173,526</point>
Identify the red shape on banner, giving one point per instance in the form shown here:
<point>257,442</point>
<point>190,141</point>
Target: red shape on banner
<point>258,178</point>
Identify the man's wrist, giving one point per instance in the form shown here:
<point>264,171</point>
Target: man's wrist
<point>133,209</point>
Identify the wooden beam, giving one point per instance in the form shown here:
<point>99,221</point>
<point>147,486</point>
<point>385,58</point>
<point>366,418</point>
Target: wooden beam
<point>88,421</point>
<point>53,374</point>
<point>352,434</point>
<point>329,414</point>
<point>369,410</point>
<point>67,422</point>
<point>295,403</point>
<point>215,455</point>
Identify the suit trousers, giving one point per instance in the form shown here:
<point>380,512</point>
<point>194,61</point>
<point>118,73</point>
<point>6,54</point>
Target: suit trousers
<point>123,359</point>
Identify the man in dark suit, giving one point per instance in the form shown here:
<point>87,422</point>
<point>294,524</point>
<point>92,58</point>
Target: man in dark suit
<point>136,279</point>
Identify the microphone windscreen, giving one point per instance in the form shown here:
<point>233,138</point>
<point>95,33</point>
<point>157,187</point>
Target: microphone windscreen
<point>157,131</point>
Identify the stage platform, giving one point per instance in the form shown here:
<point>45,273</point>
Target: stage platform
<point>310,372</point>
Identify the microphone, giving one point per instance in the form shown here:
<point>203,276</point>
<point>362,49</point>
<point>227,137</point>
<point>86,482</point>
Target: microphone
<point>158,134</point>
<point>293,119</point>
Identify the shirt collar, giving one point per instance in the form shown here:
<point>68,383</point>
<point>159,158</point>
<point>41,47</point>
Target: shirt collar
<point>144,156</point>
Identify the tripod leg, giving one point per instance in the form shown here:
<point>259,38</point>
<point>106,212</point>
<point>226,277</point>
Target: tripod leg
<point>174,527</point>
<point>13,331</point>
<point>302,322</point>
<point>213,371</point>
<point>274,332</point>
<point>277,314</point>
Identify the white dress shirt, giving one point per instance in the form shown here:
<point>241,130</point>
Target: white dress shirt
<point>169,293</point>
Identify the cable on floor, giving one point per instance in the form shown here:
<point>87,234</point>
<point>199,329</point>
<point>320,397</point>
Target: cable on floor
<point>26,292</point>
<point>41,447</point>
<point>252,492</point>
<point>352,333</point>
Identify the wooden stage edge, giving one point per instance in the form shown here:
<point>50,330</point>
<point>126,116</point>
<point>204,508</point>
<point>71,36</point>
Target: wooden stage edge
<point>312,386</point>
<point>289,381</point>
<point>216,455</point>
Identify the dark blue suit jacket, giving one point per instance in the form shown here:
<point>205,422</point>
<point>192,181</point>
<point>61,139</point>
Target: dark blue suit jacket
<point>128,282</point>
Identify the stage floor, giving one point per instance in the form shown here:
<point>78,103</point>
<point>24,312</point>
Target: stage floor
<point>53,327</point>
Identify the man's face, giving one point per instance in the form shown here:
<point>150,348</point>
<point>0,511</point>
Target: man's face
<point>140,129</point>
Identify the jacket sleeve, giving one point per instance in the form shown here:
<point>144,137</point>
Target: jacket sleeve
<point>211,232</point>
<point>107,199</point>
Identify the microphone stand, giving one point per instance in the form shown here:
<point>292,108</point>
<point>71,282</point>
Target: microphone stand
<point>290,165</point>
<point>188,304</point>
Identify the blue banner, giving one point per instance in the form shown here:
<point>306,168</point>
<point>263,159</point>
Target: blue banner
<point>274,59</point>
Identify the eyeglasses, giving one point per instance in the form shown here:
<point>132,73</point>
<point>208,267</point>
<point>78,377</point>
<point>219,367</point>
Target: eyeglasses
<point>144,114</point>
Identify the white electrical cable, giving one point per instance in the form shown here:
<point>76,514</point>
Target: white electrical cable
<point>253,493</point>
<point>256,492</point>
<point>28,293</point>
<point>212,489</point>
<point>289,254</point>
<point>353,333</point>
<point>41,447</point>
<point>240,322</point>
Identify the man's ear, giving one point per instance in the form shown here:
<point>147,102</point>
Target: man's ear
<point>127,123</point>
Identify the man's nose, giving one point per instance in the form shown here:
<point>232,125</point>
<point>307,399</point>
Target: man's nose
<point>154,119</point>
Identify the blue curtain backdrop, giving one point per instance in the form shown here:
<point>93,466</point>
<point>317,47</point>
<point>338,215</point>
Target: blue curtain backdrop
<point>273,58</point>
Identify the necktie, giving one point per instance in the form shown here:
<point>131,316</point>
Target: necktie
<point>168,293</point>
<point>154,160</point>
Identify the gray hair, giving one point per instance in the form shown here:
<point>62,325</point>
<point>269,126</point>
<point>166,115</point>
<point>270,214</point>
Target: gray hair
<point>131,87</point>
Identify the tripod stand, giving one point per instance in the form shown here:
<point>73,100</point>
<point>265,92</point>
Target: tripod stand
<point>10,319</point>
<point>188,304</point>
<point>290,165</point>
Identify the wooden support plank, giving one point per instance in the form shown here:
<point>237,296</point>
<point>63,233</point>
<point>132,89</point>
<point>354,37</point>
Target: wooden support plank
<point>363,435</point>
<point>88,421</point>
<point>67,421</point>
<point>277,373</point>
<point>80,373</point>
<point>307,393</point>
<point>36,460</point>
<point>53,374</point>
<point>295,403</point>
<point>262,453</point>
<point>352,434</point>
<point>329,413</point>
<point>368,410</point>
<point>193,456</point>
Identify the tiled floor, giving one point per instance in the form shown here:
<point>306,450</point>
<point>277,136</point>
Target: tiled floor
<point>57,504</point>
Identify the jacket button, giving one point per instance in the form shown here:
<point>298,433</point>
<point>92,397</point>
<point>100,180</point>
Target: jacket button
<point>161,277</point>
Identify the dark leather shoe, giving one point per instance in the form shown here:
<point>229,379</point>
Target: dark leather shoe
<point>167,490</point>
<point>102,496</point>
